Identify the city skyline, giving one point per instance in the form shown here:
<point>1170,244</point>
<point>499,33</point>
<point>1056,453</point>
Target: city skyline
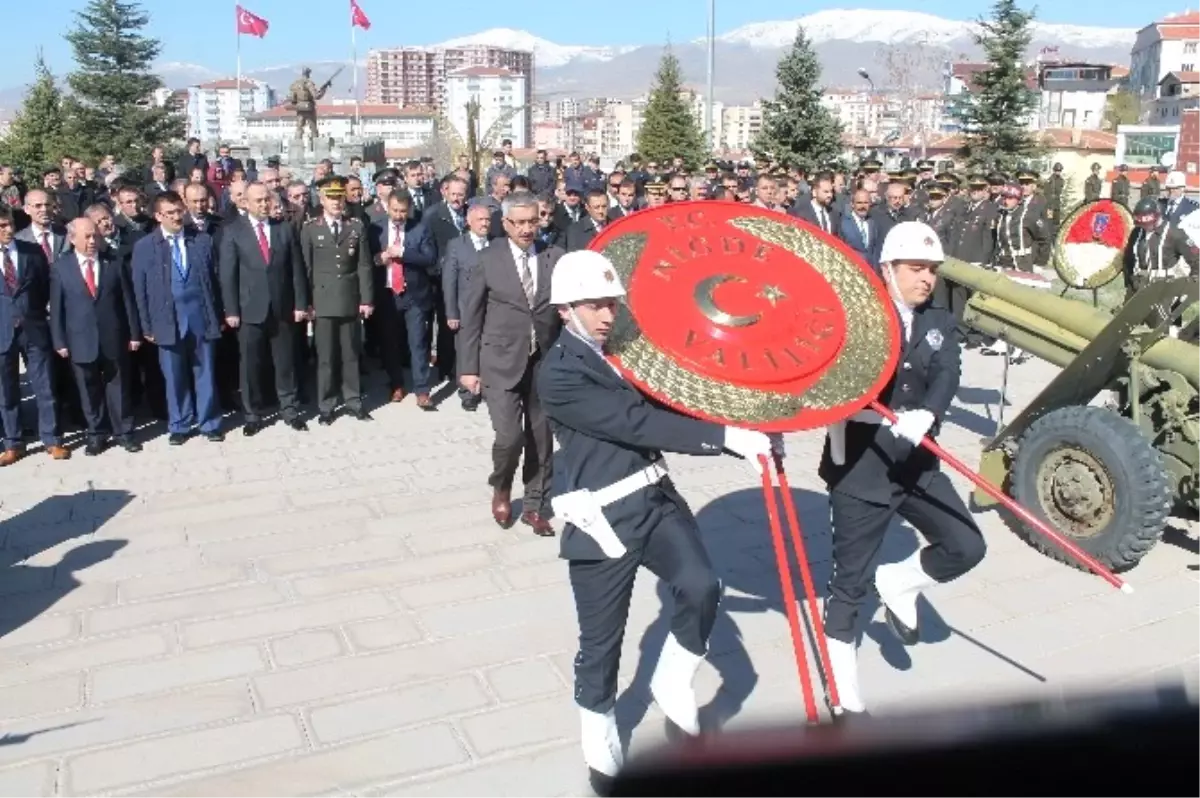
<point>308,29</point>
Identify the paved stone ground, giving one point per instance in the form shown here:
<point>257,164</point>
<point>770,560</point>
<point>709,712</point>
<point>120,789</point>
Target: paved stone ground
<point>336,613</point>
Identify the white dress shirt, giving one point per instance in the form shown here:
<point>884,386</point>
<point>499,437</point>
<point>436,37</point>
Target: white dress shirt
<point>479,242</point>
<point>395,237</point>
<point>171,238</point>
<point>264,225</point>
<point>95,259</point>
<point>517,252</point>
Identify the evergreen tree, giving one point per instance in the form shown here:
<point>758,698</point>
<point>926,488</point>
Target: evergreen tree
<point>668,128</point>
<point>112,111</point>
<point>995,135</point>
<point>35,139</point>
<point>796,129</point>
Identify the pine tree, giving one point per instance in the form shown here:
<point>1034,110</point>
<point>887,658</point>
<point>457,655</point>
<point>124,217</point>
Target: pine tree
<point>112,111</point>
<point>668,128</point>
<point>35,139</point>
<point>995,136</point>
<point>796,129</point>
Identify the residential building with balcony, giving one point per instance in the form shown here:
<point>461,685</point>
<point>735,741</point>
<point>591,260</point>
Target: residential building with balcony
<point>217,110</point>
<point>1177,92</point>
<point>1169,45</point>
<point>1074,95</point>
<point>503,104</point>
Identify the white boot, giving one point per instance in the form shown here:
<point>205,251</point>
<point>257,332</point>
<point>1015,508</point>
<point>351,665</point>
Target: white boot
<point>671,685</point>
<point>899,585</point>
<point>601,742</point>
<point>843,659</point>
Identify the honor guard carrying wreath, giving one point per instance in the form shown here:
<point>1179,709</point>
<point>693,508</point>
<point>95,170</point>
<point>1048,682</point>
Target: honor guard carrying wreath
<point>875,469</point>
<point>622,510</point>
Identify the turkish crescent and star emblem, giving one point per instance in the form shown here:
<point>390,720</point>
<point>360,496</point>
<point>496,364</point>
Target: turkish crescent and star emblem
<point>742,316</point>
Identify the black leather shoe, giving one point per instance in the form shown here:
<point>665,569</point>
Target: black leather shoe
<point>298,425</point>
<point>363,415</point>
<point>214,437</point>
<point>94,448</point>
<point>177,438</point>
<point>252,428</point>
<point>325,419</point>
<point>907,635</point>
<point>131,446</point>
<point>601,784</point>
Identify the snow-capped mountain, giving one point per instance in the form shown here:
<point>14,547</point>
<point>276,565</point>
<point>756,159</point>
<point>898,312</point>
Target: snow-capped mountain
<point>546,54</point>
<point>899,27</point>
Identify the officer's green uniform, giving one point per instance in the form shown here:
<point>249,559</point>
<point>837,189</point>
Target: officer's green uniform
<point>339,271</point>
<point>1093,186</point>
<point>1120,186</point>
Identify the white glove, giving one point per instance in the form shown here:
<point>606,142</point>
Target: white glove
<point>837,442</point>
<point>911,425</point>
<point>748,444</point>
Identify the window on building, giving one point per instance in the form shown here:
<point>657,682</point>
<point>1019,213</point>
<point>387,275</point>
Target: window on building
<point>1189,47</point>
<point>1188,67</point>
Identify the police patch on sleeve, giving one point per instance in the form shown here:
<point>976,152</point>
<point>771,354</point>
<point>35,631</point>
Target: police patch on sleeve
<point>934,339</point>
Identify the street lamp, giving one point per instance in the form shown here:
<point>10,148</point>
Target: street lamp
<point>862,73</point>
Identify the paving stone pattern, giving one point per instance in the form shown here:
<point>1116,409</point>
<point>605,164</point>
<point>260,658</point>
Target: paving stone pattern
<point>336,613</point>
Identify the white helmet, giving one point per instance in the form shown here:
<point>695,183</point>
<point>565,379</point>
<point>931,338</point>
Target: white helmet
<point>1175,180</point>
<point>912,241</point>
<point>583,275</point>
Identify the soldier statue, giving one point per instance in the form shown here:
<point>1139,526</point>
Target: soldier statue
<point>302,97</point>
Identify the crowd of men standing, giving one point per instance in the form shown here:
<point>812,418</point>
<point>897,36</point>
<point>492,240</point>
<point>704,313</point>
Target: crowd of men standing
<point>205,285</point>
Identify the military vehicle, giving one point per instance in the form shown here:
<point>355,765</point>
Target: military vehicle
<point>1108,450</point>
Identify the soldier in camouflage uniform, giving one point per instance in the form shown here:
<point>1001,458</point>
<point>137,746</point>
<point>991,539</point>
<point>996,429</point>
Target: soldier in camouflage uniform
<point>1094,185</point>
<point>339,271</point>
<point>1120,186</point>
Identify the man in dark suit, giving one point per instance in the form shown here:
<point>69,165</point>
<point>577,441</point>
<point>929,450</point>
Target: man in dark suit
<point>446,221</point>
<point>94,324</point>
<point>612,440</point>
<point>626,202</point>
<point>892,211</point>
<point>580,234</point>
<point>42,230</point>
<point>859,229</point>
<point>423,197</point>
<point>459,264</point>
<point>817,209</point>
<point>264,290</point>
<point>337,257</point>
<point>178,302</point>
<point>507,324</point>
<point>25,333</point>
<point>405,255</point>
<point>875,469</point>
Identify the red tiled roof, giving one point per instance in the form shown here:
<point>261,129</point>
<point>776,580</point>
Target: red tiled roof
<point>484,72</point>
<point>1183,77</point>
<point>228,83</point>
<point>368,110</point>
<point>1177,33</point>
<point>1063,138</point>
<point>1119,71</point>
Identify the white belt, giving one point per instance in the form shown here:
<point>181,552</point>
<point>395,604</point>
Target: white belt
<point>631,484</point>
<point>585,508</point>
<point>1020,252</point>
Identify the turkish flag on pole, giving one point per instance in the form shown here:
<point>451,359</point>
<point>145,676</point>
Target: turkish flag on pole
<point>251,23</point>
<point>357,17</point>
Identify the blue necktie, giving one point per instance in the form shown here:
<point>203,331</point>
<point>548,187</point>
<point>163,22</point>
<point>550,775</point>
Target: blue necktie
<point>177,257</point>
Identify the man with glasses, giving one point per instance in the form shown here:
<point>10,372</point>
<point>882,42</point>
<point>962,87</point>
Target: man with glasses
<point>677,189</point>
<point>518,315</point>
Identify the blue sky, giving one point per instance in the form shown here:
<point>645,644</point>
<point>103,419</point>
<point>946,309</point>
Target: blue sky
<point>203,32</point>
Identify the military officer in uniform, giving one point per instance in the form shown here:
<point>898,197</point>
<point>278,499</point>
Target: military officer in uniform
<point>1035,205</point>
<point>1156,250</point>
<point>656,192</point>
<point>339,270</point>
<point>1054,191</point>
<point>937,216</point>
<point>875,469</point>
<point>1150,186</point>
<point>1020,231</point>
<point>622,510</point>
<point>975,243</point>
<point>1120,186</point>
<point>1093,187</point>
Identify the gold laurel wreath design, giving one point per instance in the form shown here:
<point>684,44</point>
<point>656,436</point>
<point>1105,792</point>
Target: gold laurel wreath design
<point>858,365</point>
<point>1066,270</point>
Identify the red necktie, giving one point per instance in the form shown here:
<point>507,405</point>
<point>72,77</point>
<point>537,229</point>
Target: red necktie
<point>263,246</point>
<point>89,277</point>
<point>397,264</point>
<point>10,274</point>
<point>46,245</point>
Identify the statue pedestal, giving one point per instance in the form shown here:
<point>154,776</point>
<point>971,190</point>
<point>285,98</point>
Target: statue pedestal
<point>300,159</point>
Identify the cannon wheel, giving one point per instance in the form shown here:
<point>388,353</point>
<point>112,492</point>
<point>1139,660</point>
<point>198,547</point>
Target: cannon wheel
<point>1091,474</point>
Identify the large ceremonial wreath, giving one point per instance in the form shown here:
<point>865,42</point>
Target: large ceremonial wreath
<point>1090,244</point>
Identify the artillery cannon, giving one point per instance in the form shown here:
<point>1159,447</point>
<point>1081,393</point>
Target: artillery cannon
<point>1106,476</point>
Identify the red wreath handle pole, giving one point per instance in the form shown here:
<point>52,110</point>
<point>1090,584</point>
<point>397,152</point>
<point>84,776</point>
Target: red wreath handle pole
<point>1029,518</point>
<point>790,604</point>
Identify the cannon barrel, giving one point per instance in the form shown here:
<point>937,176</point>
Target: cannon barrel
<point>1049,326</point>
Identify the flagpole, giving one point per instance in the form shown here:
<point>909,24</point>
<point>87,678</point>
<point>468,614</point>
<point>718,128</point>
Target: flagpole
<point>354,73</point>
<point>239,78</point>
